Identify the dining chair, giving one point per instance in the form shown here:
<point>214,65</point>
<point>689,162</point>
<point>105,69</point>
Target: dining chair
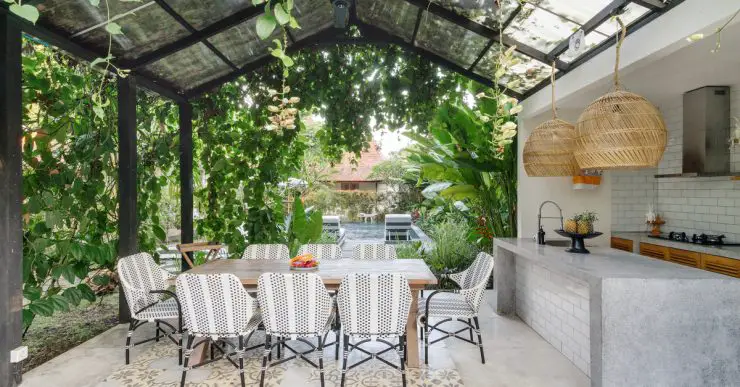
<point>144,285</point>
<point>295,307</point>
<point>328,252</point>
<point>266,251</point>
<point>374,308</point>
<point>374,251</point>
<point>457,305</point>
<point>216,307</point>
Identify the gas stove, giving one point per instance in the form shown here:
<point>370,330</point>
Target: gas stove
<point>698,239</point>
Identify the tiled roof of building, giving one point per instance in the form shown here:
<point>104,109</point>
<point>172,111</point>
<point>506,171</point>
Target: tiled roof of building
<point>361,170</point>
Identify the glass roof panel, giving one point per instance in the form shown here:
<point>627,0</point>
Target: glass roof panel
<point>449,40</point>
<point>539,28</point>
<point>398,18</point>
<point>190,67</point>
<point>632,12</point>
<point>593,39</point>
<point>480,12</point>
<point>144,30</point>
<point>313,16</point>
<point>241,44</point>
<point>202,13</point>
<point>74,16</point>
<point>577,11</point>
<point>525,73</point>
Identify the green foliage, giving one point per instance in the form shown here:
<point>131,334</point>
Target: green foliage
<point>354,87</point>
<point>467,157</point>
<point>304,228</point>
<point>411,250</point>
<point>242,165</point>
<point>452,252</point>
<point>70,181</point>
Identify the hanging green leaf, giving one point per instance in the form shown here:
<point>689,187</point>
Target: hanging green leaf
<point>281,15</point>
<point>113,28</point>
<point>28,12</point>
<point>266,24</point>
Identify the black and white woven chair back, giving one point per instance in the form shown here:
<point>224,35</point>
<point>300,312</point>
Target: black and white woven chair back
<point>139,275</point>
<point>473,281</point>
<point>270,251</point>
<point>322,252</point>
<point>374,252</point>
<point>374,305</point>
<point>214,304</point>
<point>294,305</point>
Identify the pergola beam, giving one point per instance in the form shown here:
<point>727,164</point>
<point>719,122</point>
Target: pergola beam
<point>181,20</point>
<point>416,25</point>
<point>186,177</point>
<point>590,25</point>
<point>374,36</point>
<point>60,39</point>
<point>11,208</point>
<point>127,191</point>
<point>199,36</point>
<point>655,5</point>
<point>486,32</point>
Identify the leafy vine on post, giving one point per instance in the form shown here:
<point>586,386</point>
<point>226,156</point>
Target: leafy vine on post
<point>278,14</point>
<point>99,98</point>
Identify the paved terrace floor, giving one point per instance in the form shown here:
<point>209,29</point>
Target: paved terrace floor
<point>515,356</point>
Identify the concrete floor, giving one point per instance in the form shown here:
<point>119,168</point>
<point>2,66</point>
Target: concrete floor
<point>515,356</point>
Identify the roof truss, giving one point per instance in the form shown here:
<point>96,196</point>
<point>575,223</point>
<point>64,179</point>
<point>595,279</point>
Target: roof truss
<point>371,34</point>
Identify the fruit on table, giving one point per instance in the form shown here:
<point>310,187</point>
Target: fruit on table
<point>585,227</point>
<point>571,226</point>
<point>304,261</point>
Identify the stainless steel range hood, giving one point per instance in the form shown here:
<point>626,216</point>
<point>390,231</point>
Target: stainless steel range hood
<point>706,130</point>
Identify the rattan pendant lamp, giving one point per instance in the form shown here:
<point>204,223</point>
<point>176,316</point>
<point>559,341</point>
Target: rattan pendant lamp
<point>620,130</point>
<point>548,150</point>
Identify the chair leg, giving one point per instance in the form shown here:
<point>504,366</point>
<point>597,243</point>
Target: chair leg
<point>470,329</point>
<point>156,330</point>
<point>480,340</point>
<point>402,355</point>
<point>179,342</point>
<point>426,340</point>
<point>279,346</point>
<point>344,357</point>
<point>128,339</point>
<point>241,360</point>
<point>320,349</point>
<point>264,360</point>
<point>188,350</point>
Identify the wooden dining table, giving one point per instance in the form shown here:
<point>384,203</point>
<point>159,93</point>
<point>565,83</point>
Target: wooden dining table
<point>332,273</point>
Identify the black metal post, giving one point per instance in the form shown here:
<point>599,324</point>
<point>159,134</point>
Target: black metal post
<point>11,225</point>
<point>127,219</point>
<point>186,177</point>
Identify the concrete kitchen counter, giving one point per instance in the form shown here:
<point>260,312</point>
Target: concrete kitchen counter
<point>622,318</point>
<point>641,237</point>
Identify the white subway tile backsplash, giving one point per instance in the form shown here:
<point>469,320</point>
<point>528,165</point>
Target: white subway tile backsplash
<point>693,205</point>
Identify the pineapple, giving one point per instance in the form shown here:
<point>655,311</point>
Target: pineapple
<point>571,225</point>
<point>584,227</point>
<point>586,221</point>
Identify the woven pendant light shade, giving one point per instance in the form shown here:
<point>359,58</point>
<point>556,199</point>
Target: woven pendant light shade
<point>548,150</point>
<point>620,130</point>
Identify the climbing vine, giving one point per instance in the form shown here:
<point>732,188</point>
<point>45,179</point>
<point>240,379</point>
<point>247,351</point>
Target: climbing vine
<point>70,175</point>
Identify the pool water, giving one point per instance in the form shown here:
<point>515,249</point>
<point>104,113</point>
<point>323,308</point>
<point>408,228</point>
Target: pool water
<point>365,231</point>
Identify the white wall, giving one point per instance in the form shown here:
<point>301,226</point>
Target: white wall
<point>708,205</point>
<point>532,191</point>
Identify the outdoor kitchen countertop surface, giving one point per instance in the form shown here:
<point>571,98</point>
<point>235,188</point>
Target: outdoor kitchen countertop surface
<point>638,237</point>
<point>602,263</point>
